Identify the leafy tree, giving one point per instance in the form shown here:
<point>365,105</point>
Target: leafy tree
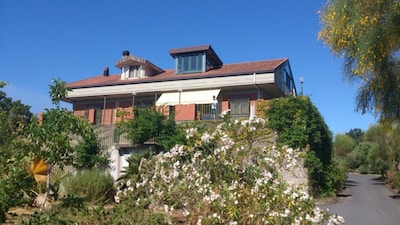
<point>62,138</point>
<point>14,179</point>
<point>149,123</point>
<point>358,159</point>
<point>385,150</point>
<point>58,91</point>
<point>14,116</point>
<point>88,154</point>
<point>356,134</point>
<point>367,35</point>
<point>343,145</point>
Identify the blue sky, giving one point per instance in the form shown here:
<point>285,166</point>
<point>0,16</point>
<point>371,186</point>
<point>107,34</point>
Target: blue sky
<point>74,40</point>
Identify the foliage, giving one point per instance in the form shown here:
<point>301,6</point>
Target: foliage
<point>300,125</point>
<point>61,138</point>
<point>378,151</point>
<point>132,170</point>
<point>72,201</point>
<point>149,123</point>
<point>52,138</point>
<point>343,145</point>
<point>88,152</point>
<point>367,35</point>
<point>228,175</point>
<point>24,138</point>
<point>13,186</point>
<point>93,185</point>
<point>15,181</point>
<point>393,179</point>
<point>356,134</point>
<point>382,154</point>
<point>358,159</point>
<point>52,218</point>
<point>58,91</point>
<point>14,117</point>
<point>99,215</point>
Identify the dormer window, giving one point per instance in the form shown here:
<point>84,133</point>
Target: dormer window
<point>135,67</point>
<point>190,63</point>
<point>195,59</point>
<point>135,71</point>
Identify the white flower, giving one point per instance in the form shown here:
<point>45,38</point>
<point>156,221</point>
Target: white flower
<point>224,113</point>
<point>205,137</point>
<point>190,132</point>
<point>199,220</point>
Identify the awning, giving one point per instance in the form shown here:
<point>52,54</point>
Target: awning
<point>187,97</point>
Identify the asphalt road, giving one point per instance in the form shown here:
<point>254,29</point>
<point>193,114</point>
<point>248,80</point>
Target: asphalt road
<point>366,201</point>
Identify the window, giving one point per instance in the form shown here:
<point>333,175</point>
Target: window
<point>134,71</point>
<point>203,111</point>
<point>98,116</point>
<point>240,107</point>
<point>189,63</point>
<point>288,78</point>
<point>171,111</point>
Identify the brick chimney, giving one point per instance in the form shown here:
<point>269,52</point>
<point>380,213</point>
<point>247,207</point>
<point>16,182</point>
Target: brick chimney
<point>106,71</point>
<point>125,53</point>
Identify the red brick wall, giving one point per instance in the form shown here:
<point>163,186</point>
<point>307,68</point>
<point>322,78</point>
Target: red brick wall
<point>224,105</point>
<point>185,112</point>
<point>79,113</point>
<point>91,115</point>
<point>126,108</point>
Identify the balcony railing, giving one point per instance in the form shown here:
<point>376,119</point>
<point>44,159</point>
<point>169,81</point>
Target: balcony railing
<point>110,135</point>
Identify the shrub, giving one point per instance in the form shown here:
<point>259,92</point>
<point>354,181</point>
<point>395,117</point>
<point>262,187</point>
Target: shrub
<point>94,185</point>
<point>300,125</point>
<point>149,123</point>
<point>393,179</point>
<point>228,175</point>
<point>12,190</point>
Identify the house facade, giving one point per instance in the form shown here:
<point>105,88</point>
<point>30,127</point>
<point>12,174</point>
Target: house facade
<point>185,91</point>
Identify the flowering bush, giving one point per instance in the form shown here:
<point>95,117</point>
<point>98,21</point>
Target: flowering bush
<point>393,179</point>
<point>229,175</point>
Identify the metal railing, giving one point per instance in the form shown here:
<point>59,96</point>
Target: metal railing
<point>110,135</point>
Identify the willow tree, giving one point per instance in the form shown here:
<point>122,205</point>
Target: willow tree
<point>366,34</point>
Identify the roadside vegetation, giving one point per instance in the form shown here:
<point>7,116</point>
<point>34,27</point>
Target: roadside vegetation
<point>222,172</point>
<point>374,151</point>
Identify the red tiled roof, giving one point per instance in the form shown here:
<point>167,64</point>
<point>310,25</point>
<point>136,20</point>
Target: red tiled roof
<point>167,75</point>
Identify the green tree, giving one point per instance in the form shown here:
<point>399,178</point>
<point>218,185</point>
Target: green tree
<point>14,116</point>
<point>14,178</point>
<point>358,158</point>
<point>62,138</point>
<point>356,134</point>
<point>385,154</point>
<point>343,145</point>
<point>367,35</point>
<point>149,123</point>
